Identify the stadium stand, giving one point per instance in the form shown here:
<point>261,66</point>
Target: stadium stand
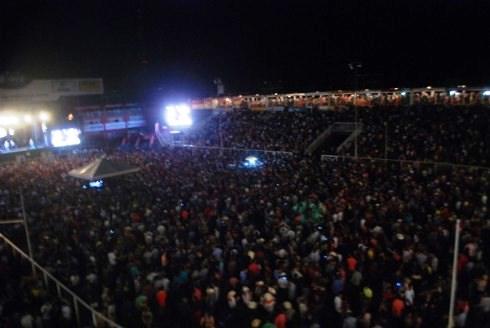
<point>197,240</point>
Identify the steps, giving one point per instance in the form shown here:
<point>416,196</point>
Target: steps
<point>339,136</point>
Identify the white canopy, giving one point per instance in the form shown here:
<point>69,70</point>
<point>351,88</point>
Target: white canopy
<point>102,168</point>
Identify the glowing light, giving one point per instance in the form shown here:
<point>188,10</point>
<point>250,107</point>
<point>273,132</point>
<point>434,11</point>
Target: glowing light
<point>9,120</point>
<point>27,118</point>
<point>96,184</point>
<point>43,116</point>
<point>70,117</point>
<point>3,133</point>
<point>252,162</point>
<point>453,93</point>
<point>486,93</point>
<point>65,137</point>
<point>11,132</point>
<point>429,87</point>
<point>403,93</point>
<point>178,115</point>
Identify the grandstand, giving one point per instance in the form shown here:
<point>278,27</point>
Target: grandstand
<point>459,96</point>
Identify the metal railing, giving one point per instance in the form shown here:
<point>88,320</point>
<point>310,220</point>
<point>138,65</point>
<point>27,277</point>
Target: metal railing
<point>95,318</point>
<point>273,152</point>
<point>315,144</point>
<point>402,161</point>
<point>347,142</point>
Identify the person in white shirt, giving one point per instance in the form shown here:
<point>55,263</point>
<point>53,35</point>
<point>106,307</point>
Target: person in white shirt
<point>66,312</point>
<point>27,321</point>
<point>409,293</point>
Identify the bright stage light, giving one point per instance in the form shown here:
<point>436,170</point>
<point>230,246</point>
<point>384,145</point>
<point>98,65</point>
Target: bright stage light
<point>178,115</point>
<point>3,132</point>
<point>403,93</point>
<point>252,162</point>
<point>9,120</point>
<point>96,184</point>
<point>65,137</point>
<point>27,118</point>
<point>453,93</point>
<point>43,116</point>
<point>486,93</point>
<point>11,131</point>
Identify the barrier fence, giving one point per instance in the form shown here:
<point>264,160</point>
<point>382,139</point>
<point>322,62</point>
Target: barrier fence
<point>402,161</point>
<point>272,152</point>
<point>85,315</point>
<point>337,157</point>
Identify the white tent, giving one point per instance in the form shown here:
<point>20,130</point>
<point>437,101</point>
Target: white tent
<point>102,168</point>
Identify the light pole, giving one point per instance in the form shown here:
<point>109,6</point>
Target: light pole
<point>355,67</point>
<point>356,119</point>
<point>454,277</point>
<point>386,140</point>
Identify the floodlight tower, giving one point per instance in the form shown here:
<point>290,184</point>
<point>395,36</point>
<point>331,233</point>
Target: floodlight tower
<point>220,87</point>
<point>140,14</point>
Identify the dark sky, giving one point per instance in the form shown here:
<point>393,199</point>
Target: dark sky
<point>291,45</point>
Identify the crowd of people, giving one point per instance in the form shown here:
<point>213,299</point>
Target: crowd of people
<point>267,130</point>
<point>197,240</point>
<point>439,134</point>
<point>431,133</point>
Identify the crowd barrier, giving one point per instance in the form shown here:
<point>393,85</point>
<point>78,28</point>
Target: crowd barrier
<point>85,315</point>
<point>401,161</point>
<point>273,152</point>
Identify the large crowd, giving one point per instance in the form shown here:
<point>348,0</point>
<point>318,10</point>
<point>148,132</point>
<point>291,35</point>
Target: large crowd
<point>195,240</point>
<point>431,133</point>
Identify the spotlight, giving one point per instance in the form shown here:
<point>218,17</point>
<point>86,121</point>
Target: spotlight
<point>178,115</point>
<point>9,120</point>
<point>43,116</point>
<point>252,162</point>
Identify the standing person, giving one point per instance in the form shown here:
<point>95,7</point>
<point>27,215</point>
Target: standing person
<point>207,321</point>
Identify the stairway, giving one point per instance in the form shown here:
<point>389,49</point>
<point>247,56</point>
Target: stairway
<point>338,135</point>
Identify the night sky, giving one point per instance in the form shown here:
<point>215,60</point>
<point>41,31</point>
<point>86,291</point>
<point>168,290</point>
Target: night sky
<point>253,46</point>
